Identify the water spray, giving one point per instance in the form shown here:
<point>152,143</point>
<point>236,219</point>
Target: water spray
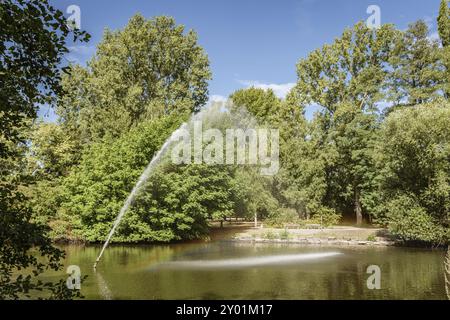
<point>154,162</point>
<point>142,179</point>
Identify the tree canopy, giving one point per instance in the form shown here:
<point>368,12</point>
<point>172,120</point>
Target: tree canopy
<point>413,157</point>
<point>375,152</point>
<point>33,42</point>
<point>149,69</point>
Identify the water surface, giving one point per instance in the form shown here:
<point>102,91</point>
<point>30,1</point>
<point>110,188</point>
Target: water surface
<point>229,270</point>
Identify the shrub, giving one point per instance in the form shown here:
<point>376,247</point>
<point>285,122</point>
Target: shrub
<point>411,222</point>
<point>284,216</point>
<point>284,235</point>
<point>413,155</point>
<point>269,235</point>
<point>326,217</point>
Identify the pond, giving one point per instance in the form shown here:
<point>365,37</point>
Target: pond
<point>223,269</point>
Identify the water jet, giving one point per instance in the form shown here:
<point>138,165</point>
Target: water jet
<point>141,181</point>
<point>213,112</point>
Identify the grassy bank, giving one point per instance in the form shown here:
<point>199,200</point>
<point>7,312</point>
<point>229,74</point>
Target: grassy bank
<point>337,235</point>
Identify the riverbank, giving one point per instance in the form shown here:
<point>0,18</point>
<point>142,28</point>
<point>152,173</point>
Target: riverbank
<point>245,232</point>
<point>332,236</point>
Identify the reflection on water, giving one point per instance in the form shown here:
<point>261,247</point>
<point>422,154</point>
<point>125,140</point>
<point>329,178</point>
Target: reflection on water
<point>103,289</point>
<point>248,262</point>
<point>264,271</point>
<point>447,273</point>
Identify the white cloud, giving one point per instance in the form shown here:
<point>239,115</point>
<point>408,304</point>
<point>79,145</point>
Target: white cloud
<point>82,49</point>
<point>79,54</point>
<point>217,98</point>
<point>280,90</point>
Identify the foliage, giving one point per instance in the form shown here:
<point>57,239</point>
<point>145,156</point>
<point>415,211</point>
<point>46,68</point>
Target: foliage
<point>283,217</point>
<point>350,70</point>
<point>301,177</point>
<point>444,34</point>
<point>94,191</point>
<point>349,79</point>
<point>149,69</point>
<point>350,145</point>
<point>177,203</point>
<point>326,217</point>
<point>417,71</point>
<point>270,235</point>
<point>253,195</point>
<point>52,152</point>
<point>32,45</point>
<point>300,183</point>
<point>346,78</point>
<point>115,113</point>
<point>138,77</point>
<point>284,235</point>
<point>413,157</point>
<point>444,23</point>
<point>409,221</point>
<point>262,104</point>
<point>33,42</point>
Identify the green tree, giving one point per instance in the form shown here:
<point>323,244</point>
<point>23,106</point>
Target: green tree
<point>299,186</point>
<point>52,152</point>
<point>444,34</point>
<point>351,143</point>
<point>301,182</point>
<point>95,190</point>
<point>257,197</point>
<point>346,79</point>
<point>149,69</point>
<point>350,70</point>
<point>253,198</point>
<point>261,104</point>
<point>413,160</point>
<point>417,76</point>
<point>33,43</point>
<point>177,203</point>
<point>50,157</point>
<point>444,23</point>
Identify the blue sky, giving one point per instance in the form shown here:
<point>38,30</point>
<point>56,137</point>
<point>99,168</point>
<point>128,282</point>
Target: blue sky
<point>249,42</point>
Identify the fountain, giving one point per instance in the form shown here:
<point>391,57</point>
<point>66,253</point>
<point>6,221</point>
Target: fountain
<point>148,170</point>
<point>104,290</point>
<point>141,181</point>
<point>211,113</point>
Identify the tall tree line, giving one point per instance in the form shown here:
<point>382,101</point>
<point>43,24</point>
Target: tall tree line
<point>378,150</point>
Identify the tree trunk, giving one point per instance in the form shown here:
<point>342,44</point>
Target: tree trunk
<point>221,223</point>
<point>358,209</point>
<point>256,220</point>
